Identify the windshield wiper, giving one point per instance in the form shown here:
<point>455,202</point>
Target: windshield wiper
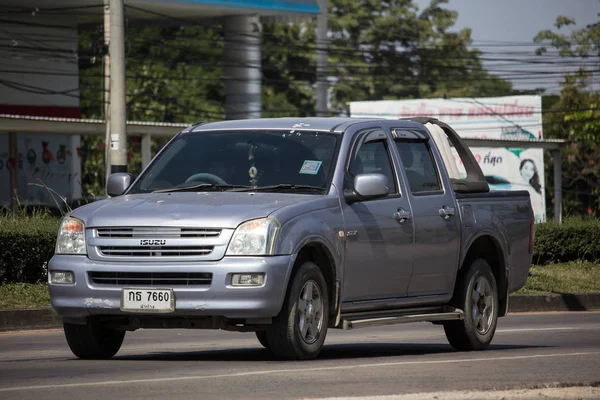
<point>202,186</point>
<point>283,186</point>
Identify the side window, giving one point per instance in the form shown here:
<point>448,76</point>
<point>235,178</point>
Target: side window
<point>372,157</point>
<point>418,162</point>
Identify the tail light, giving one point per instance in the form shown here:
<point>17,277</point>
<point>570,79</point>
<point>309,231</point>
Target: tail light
<point>531,233</point>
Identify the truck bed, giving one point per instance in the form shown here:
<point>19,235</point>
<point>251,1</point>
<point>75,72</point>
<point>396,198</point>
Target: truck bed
<point>510,213</point>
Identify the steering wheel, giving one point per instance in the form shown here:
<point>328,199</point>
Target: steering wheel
<point>205,177</point>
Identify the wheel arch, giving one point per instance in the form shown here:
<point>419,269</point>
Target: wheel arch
<point>317,252</point>
<point>489,248</point>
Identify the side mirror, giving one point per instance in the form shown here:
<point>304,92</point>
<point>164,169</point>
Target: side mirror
<point>368,186</point>
<point>118,183</point>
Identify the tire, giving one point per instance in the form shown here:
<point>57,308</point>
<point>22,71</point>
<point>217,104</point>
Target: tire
<point>93,341</point>
<point>477,295</point>
<point>299,331</point>
<point>262,338</point>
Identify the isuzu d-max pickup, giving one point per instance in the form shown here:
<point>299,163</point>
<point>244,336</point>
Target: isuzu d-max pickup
<point>290,227</point>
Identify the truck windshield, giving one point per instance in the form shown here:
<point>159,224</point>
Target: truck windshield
<point>239,160</point>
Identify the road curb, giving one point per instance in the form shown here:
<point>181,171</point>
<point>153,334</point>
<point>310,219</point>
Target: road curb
<point>554,302</point>
<point>45,318</point>
<point>27,319</point>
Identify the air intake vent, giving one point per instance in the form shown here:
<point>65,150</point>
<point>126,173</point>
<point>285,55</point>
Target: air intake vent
<point>166,279</point>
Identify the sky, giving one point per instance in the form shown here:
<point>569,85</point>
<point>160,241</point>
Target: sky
<point>519,21</point>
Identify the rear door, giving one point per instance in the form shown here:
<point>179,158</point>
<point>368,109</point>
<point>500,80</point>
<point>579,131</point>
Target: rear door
<point>379,243</point>
<point>434,211</point>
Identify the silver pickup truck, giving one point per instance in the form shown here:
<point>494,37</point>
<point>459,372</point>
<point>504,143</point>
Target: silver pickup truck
<point>289,227</point>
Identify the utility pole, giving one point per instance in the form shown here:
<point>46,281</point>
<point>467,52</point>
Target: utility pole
<point>118,118</point>
<point>106,108</point>
<point>322,110</point>
<point>242,67</point>
<point>13,154</point>
<point>557,186</point>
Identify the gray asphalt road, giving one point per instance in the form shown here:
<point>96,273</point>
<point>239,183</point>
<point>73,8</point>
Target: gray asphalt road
<point>528,349</point>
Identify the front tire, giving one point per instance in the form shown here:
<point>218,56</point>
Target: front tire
<point>477,296</point>
<point>299,331</point>
<point>93,341</point>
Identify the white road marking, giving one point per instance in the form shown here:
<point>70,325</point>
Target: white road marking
<point>283,371</point>
<point>564,328</point>
<point>575,393</point>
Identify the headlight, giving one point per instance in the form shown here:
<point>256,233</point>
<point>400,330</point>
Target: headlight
<point>254,238</point>
<point>71,237</point>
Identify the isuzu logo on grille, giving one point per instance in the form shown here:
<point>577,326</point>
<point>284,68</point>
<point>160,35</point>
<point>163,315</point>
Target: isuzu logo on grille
<point>153,242</point>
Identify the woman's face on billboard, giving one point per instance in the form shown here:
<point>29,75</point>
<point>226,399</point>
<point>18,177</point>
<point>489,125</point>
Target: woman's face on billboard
<point>528,170</point>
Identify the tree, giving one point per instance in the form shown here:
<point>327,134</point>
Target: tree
<point>576,116</point>
<point>377,50</point>
<point>579,43</point>
<point>289,69</point>
<point>390,50</point>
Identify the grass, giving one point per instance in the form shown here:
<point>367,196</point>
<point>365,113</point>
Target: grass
<point>24,295</point>
<point>572,277</point>
<point>38,221</point>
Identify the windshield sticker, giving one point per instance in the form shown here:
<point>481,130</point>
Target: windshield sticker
<point>310,167</point>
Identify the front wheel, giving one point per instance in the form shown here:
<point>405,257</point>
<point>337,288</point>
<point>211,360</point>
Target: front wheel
<point>299,331</point>
<point>93,341</point>
<point>477,295</point>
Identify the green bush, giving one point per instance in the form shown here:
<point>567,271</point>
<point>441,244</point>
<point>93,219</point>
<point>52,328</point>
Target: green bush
<point>27,244</point>
<point>24,295</point>
<point>576,239</point>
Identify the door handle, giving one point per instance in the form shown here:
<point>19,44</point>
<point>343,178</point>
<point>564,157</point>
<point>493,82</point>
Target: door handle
<point>402,215</point>
<point>447,212</point>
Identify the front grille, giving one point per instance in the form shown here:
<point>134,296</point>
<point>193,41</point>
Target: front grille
<point>151,278</point>
<point>158,232</point>
<point>154,251</point>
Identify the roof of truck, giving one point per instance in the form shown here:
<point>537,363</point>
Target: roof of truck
<point>329,124</point>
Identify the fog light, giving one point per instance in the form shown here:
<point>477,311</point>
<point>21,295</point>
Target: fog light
<point>247,279</point>
<point>61,277</point>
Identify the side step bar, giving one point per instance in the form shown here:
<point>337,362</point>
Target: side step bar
<point>400,319</point>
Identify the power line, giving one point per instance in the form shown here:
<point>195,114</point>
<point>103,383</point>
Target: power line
<point>40,90</point>
<point>357,71</point>
<point>431,60</point>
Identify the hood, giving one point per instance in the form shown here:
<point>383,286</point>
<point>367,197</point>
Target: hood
<point>205,209</point>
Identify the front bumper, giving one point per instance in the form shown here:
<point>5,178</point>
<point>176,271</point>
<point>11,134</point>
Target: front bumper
<point>85,298</point>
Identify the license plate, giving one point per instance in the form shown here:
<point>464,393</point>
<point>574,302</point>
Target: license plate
<point>148,300</point>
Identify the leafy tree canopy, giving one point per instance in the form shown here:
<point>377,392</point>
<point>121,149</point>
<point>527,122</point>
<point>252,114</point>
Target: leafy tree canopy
<point>576,115</point>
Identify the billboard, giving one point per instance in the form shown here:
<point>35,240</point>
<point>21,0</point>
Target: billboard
<point>510,117</point>
<point>42,160</point>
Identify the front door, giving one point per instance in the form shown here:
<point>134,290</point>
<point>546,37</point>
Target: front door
<point>379,232</point>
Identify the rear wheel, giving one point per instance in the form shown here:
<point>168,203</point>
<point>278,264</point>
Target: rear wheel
<point>299,331</point>
<point>477,296</point>
<point>93,341</point>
